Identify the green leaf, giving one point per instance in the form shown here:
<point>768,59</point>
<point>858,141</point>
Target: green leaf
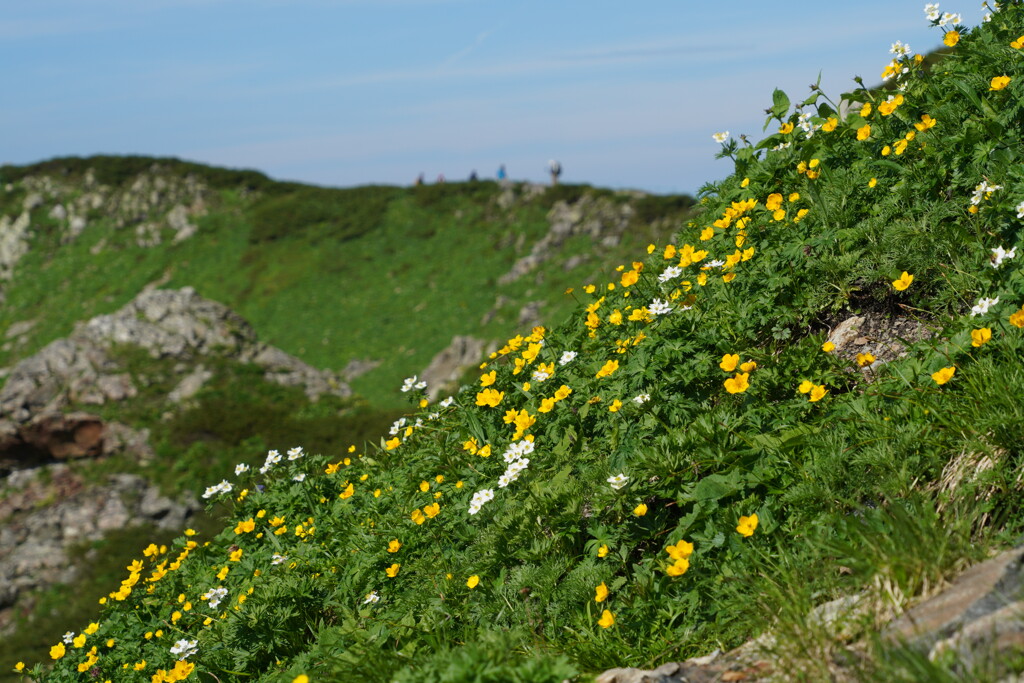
<point>780,103</point>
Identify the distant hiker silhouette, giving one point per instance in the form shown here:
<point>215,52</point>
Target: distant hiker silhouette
<point>472,176</point>
<point>419,180</point>
<point>556,170</point>
<point>501,172</point>
<point>440,178</point>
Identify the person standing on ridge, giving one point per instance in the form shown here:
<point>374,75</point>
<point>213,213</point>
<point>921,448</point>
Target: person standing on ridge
<point>556,170</point>
<point>501,172</point>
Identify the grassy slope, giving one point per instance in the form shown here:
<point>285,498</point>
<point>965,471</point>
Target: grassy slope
<point>847,487</point>
<point>403,278</point>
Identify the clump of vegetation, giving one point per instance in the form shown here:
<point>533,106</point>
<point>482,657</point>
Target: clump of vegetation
<point>624,488</point>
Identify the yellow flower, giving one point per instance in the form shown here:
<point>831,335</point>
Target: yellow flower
<point>470,445</point>
<point>902,282</point>
<point>392,444</point>
<point>738,383</point>
<point>828,347</point>
<point>607,369</point>
<point>57,651</point>
<point>729,362</point>
<point>864,132</point>
<point>348,492</point>
<point>91,628</point>
<point>943,375</point>
<point>602,593</point>
<point>20,666</point>
<point>773,202</point>
<point>747,525</point>
<point>417,516</point>
<point>629,278</point>
<point>805,386</point>
<point>926,123</point>
<point>679,567</point>
<point>886,151</point>
<point>1017,44</point>
<point>472,581</point>
<point>640,510</point>
<point>432,510</point>
<point>865,111</point>
<point>818,392</point>
<point>603,550</point>
<point>680,551</point>
<point>424,486</point>
<point>394,545</point>
<point>786,128</point>
<point>951,38</point>
<point>865,359</point>
<point>707,233</point>
<point>749,366</point>
<point>900,147</point>
<point>487,379</point>
<point>615,406</point>
<point>872,182</point>
<point>1017,319</point>
<point>490,397</point>
<point>546,405</point>
<point>980,336</point>
<point>301,678</point>
<point>999,82</point>
<point>485,451</point>
<point>392,571</point>
<point>746,181</point>
<point>607,619</point>
<point>830,124</point>
<point>235,556</point>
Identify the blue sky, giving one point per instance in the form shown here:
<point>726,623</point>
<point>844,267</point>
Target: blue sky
<point>349,92</point>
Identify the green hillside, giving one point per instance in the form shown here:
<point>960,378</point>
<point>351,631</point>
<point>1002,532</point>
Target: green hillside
<point>702,452</point>
<point>313,269</point>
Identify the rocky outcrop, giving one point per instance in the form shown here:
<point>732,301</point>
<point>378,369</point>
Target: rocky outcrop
<point>975,623</point>
<point>178,324</point>
<point>884,337</point>
<point>448,365</point>
<point>87,369</point>
<point>601,219</point>
<point>42,517</point>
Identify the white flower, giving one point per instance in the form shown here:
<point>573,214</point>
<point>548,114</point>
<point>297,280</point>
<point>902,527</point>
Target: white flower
<point>273,457</point>
<point>780,147</point>
<point>409,383</point>
<point>512,472</point>
<point>641,399</point>
<point>185,648</point>
<point>278,559</point>
<point>1020,210</point>
<point>214,596</point>
<point>899,49</point>
<point>68,637</point>
<point>659,307</point>
<point>396,426</point>
<point>931,10</point>
<point>568,356</point>
<point>713,264</point>
<point>240,468</point>
<point>222,487</point>
<point>669,273</point>
<point>540,375</point>
<point>299,477</point>
<point>517,450</point>
<point>983,191</point>
<point>479,498</point>
<point>950,18</point>
<point>999,255</point>
<point>981,308</point>
<point>433,416</point>
<point>421,385</point>
<point>447,402</point>
<point>618,481</point>
<point>295,453</point>
<point>371,598</point>
<point>720,137</point>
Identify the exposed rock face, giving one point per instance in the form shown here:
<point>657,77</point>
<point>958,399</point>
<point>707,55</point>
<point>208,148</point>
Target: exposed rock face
<point>882,336</point>
<point>977,619</point>
<point>84,369</point>
<point>447,366</point>
<point>603,220</point>
<point>167,324</point>
<point>36,533</point>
